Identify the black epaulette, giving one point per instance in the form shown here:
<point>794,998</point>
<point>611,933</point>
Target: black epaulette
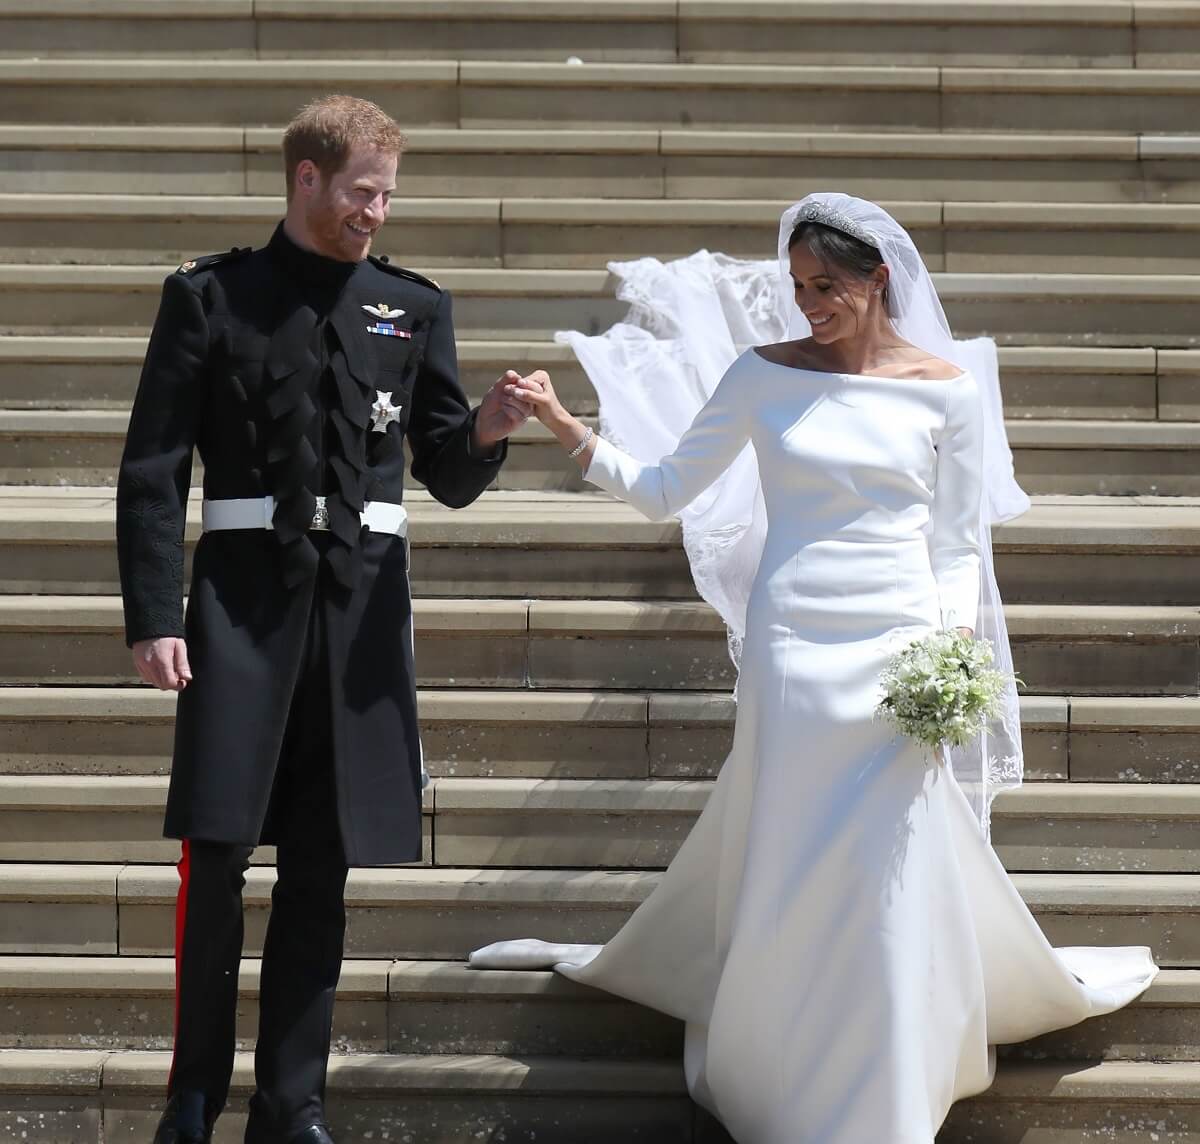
<point>207,260</point>
<point>382,262</point>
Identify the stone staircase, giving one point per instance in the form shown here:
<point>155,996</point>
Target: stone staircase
<point>574,692</point>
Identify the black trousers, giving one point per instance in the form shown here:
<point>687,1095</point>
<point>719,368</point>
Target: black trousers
<point>302,954</point>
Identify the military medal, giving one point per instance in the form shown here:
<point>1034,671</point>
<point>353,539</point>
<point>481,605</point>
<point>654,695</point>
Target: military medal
<point>383,311</point>
<point>383,412</point>
<point>388,330</point>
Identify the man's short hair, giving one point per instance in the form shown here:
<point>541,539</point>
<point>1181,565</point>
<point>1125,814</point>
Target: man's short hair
<point>329,129</point>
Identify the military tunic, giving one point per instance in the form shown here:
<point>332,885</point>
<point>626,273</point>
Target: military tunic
<point>267,363</point>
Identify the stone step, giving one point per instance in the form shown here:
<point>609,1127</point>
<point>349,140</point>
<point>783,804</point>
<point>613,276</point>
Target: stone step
<point>89,1096</point>
<point>1097,827</point>
<point>443,913</point>
<point>490,304</point>
<point>962,165</point>
<point>105,819</point>
<point>463,643</point>
<point>616,824</point>
<point>135,229</point>
<point>478,93</point>
<point>73,731</point>
<point>444,1007</point>
<point>1106,458</point>
<point>1078,549</point>
<point>1099,550</point>
<point>548,734</point>
<point>639,163</point>
<point>1091,34</point>
<point>1047,827</point>
<point>382,1006</point>
<point>604,644</point>
<point>66,372</point>
<point>518,305</point>
<point>1158,1027</point>
<point>1125,1102</point>
<point>469,733</point>
<point>1109,458</point>
<point>644,30</point>
<point>538,233</point>
<point>1052,382</point>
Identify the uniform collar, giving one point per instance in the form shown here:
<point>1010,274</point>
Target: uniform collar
<point>306,265</point>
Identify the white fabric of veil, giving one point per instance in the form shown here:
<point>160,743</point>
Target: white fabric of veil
<point>689,319</point>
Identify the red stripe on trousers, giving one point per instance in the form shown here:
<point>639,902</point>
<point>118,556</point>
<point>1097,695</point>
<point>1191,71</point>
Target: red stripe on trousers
<point>181,906</point>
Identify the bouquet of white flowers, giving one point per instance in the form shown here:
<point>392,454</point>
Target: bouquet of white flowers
<point>942,689</point>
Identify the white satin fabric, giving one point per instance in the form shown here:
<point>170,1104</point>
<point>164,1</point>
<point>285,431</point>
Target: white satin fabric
<point>839,937</point>
<point>688,321</point>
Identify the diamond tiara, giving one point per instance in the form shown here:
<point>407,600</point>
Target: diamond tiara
<point>826,215</point>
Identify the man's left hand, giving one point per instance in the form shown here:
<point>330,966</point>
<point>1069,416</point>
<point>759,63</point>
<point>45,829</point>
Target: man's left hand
<point>500,414</point>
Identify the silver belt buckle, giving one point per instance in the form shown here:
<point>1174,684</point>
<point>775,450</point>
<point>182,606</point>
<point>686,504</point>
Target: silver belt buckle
<point>320,517</point>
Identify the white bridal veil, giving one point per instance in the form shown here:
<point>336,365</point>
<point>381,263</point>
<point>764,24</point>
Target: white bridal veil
<point>688,321</point>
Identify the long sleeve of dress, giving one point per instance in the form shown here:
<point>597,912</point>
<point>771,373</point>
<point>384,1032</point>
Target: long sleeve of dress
<point>717,435</point>
<point>957,506</point>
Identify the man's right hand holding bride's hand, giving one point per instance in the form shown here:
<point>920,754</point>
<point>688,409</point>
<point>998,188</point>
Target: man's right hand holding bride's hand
<point>578,439</point>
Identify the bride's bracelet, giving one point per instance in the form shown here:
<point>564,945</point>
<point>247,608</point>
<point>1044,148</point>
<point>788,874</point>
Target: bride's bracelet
<point>587,440</point>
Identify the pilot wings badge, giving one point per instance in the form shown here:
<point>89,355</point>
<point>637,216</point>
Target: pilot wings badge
<point>383,311</point>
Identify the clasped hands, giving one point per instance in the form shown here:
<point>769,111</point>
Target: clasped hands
<point>504,408</point>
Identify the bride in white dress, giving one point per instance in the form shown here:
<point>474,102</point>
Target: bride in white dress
<point>836,932</point>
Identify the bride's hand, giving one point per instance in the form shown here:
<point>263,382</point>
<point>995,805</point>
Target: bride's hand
<point>538,391</point>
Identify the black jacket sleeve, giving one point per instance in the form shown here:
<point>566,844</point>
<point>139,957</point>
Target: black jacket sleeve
<point>439,428</point>
<point>156,466</point>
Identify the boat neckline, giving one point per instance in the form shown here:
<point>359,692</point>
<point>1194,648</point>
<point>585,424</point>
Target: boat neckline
<point>868,376</point>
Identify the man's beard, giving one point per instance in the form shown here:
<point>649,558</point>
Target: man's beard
<point>334,240</point>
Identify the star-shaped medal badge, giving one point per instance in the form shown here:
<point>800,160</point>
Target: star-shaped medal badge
<point>383,412</point>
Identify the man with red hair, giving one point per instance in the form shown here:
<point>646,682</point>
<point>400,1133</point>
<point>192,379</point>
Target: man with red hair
<point>298,372</point>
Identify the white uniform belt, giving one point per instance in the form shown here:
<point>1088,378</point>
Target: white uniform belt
<point>257,512</point>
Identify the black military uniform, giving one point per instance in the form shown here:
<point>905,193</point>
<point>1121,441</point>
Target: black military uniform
<point>297,378</point>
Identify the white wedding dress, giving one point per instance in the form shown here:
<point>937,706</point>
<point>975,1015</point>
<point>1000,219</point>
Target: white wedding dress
<point>836,932</point>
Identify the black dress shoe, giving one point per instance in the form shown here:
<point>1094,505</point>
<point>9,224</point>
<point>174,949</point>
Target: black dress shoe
<point>187,1119</point>
<point>313,1134</point>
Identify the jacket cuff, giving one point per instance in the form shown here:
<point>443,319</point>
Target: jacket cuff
<point>494,455</point>
<point>136,634</point>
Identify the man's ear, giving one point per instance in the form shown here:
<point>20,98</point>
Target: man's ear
<point>308,178</point>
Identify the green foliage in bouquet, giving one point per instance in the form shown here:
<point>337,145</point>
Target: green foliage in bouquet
<point>942,689</point>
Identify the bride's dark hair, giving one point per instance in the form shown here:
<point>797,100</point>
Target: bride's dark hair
<point>838,250</point>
